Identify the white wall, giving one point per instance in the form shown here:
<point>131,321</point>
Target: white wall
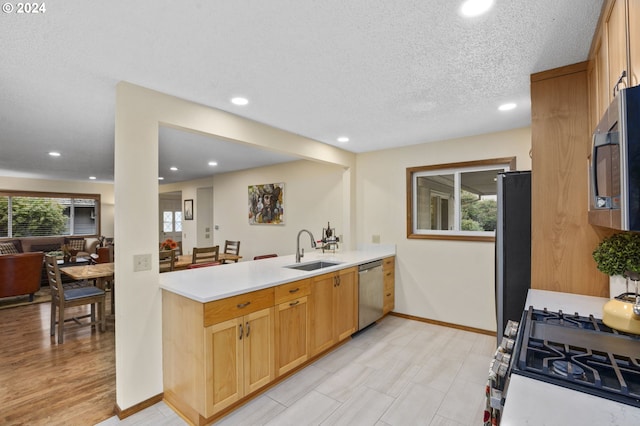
<point>46,185</point>
<point>313,196</point>
<point>450,281</point>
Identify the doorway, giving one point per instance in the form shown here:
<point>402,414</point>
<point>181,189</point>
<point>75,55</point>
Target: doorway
<point>170,216</point>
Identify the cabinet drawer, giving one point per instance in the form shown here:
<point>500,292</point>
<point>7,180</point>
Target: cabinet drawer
<point>294,290</point>
<point>235,306</point>
<point>388,262</point>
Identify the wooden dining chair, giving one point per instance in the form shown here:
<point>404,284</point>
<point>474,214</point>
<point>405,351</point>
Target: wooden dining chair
<point>167,260</point>
<point>264,256</point>
<point>231,247</point>
<point>205,254</point>
<point>69,295</point>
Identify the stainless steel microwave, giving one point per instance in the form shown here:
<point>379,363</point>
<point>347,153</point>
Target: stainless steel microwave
<point>614,167</point>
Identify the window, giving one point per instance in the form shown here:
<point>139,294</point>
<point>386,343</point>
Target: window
<point>39,214</point>
<point>171,221</point>
<point>454,201</point>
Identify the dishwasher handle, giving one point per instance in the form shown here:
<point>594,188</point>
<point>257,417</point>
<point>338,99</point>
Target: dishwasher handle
<point>369,265</point>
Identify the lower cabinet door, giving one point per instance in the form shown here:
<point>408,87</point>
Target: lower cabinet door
<point>258,349</point>
<point>223,371</point>
<point>239,358</point>
<point>346,304</point>
<point>322,335</point>
<point>292,334</point>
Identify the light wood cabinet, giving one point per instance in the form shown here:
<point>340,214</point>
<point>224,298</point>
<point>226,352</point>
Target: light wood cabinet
<point>219,353</point>
<point>562,238</point>
<point>216,353</point>
<point>388,271</point>
<point>634,42</point>
<point>238,358</point>
<point>333,309</point>
<point>292,325</point>
<point>616,30</point>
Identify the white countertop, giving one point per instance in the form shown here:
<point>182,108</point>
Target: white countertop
<point>534,402</point>
<point>217,282</point>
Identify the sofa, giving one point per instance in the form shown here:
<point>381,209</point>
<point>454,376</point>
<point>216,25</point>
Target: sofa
<point>41,245</point>
<point>85,246</point>
<point>20,274</point>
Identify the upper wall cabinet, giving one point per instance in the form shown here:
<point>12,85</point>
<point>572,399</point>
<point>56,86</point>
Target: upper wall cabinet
<point>634,42</point>
<point>615,51</point>
<point>616,28</point>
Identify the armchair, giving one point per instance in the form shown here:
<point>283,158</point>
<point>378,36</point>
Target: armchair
<point>20,274</point>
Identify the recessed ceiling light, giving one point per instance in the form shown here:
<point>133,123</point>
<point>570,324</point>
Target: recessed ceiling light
<point>173,169</point>
<point>507,107</point>
<point>160,178</point>
<point>213,163</point>
<point>343,139</point>
<point>54,154</point>
<point>92,177</point>
<point>471,8</point>
<point>239,100</point>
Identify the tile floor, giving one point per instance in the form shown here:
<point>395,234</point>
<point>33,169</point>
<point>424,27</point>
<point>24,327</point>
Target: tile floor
<point>398,372</point>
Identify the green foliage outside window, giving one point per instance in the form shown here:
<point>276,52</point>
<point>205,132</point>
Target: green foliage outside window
<point>32,217</point>
<point>478,214</point>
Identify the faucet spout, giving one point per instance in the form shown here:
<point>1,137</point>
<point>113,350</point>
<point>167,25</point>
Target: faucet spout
<point>300,253</point>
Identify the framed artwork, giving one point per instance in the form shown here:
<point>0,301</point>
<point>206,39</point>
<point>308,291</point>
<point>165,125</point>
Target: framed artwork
<point>188,209</point>
<point>266,204</point>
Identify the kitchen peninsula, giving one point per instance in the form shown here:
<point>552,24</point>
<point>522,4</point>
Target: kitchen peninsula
<point>229,331</point>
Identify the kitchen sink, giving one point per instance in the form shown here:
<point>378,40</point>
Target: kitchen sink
<point>312,266</point>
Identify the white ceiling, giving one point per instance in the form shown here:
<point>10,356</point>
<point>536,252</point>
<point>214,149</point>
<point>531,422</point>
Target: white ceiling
<point>383,73</point>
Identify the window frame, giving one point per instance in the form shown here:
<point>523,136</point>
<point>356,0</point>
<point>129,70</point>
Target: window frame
<point>509,163</point>
<point>72,195</point>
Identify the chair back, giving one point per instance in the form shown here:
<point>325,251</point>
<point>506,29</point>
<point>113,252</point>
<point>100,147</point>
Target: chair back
<point>53,275</point>
<point>232,247</point>
<point>265,256</point>
<point>205,254</point>
<point>167,260</point>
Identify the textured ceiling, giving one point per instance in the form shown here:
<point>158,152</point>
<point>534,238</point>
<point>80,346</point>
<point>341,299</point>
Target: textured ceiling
<point>384,73</point>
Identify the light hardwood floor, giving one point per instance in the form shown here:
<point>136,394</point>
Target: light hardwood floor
<point>43,383</point>
<point>398,372</point>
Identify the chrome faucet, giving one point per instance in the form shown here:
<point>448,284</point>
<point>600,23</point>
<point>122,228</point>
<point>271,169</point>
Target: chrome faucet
<point>300,254</point>
<point>636,306</point>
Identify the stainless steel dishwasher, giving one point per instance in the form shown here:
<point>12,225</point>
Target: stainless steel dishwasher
<point>370,291</point>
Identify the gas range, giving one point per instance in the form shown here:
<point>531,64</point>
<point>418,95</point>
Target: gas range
<point>579,353</point>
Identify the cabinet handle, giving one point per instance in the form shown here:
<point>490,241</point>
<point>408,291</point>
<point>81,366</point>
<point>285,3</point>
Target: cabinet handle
<point>388,274</point>
<point>615,88</point>
<point>338,280</point>
<point>388,294</point>
<point>241,332</point>
<point>294,290</point>
<point>243,305</point>
<point>294,303</point>
<point>248,329</point>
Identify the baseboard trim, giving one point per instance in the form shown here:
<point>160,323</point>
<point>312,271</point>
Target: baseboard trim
<point>123,414</point>
<point>444,324</point>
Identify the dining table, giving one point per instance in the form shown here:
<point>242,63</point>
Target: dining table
<point>101,272</point>
<point>183,261</point>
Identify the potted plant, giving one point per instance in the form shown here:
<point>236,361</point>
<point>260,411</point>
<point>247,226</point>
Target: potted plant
<point>619,254</point>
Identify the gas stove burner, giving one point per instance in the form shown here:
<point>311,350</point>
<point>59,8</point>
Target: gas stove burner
<point>568,369</point>
<point>565,322</point>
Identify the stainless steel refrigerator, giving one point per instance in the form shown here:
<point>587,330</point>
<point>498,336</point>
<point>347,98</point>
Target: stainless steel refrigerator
<point>513,246</point>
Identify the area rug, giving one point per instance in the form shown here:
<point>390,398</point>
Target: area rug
<point>43,295</point>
